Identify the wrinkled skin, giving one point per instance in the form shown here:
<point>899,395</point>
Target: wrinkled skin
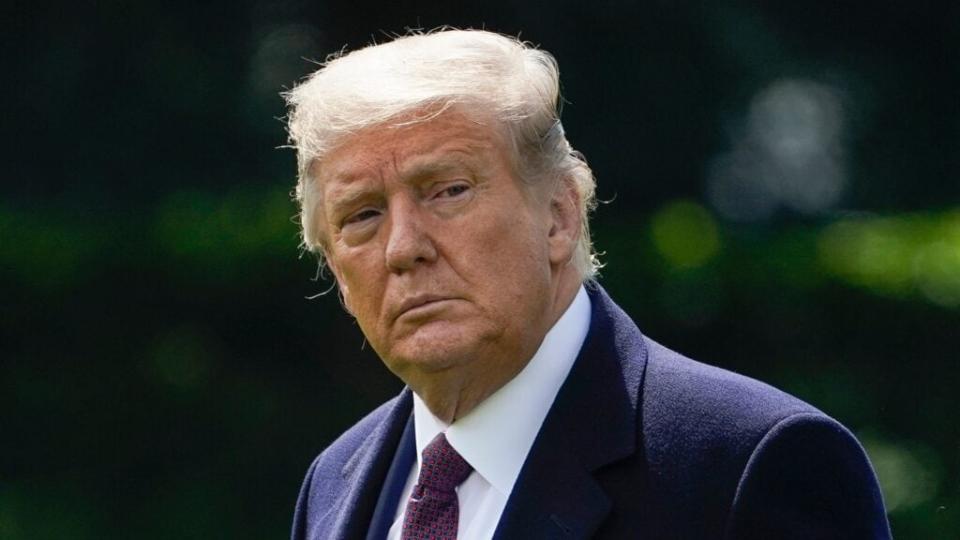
<point>453,268</point>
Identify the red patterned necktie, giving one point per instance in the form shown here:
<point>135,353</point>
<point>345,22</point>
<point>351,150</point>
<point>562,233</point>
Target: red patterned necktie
<point>433,509</point>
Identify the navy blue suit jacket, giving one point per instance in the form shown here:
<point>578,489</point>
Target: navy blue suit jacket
<point>640,443</point>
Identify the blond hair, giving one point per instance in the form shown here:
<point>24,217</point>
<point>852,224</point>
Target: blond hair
<point>502,76</point>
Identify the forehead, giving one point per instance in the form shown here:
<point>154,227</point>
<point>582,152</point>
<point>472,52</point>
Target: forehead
<point>449,138</point>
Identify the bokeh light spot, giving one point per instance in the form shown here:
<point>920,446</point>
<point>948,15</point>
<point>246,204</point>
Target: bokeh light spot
<point>685,234</point>
<point>787,153</point>
<point>910,254</point>
<point>908,473</point>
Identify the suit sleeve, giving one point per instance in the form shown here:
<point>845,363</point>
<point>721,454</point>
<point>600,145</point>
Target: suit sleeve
<point>808,478</point>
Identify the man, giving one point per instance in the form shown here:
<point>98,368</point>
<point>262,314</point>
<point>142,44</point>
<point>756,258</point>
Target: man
<point>438,186</point>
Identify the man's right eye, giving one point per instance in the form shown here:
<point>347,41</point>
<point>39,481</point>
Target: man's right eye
<point>361,216</point>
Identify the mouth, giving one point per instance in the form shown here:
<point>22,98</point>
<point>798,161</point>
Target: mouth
<point>419,303</point>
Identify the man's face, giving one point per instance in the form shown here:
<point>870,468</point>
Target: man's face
<point>440,253</point>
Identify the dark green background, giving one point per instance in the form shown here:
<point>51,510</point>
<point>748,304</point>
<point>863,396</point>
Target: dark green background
<point>164,376</point>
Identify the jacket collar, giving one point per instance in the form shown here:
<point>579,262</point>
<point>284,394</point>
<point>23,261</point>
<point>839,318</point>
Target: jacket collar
<point>557,495</point>
<point>364,473</point>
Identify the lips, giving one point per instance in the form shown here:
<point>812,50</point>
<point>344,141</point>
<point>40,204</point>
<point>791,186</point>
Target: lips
<point>412,303</point>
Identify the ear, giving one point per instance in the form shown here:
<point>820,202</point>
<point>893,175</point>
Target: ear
<point>343,289</point>
<point>564,222</point>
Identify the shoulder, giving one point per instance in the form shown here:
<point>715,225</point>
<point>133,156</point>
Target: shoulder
<point>808,477</point>
<point>773,463</point>
<point>700,424</point>
<point>337,455</point>
<point>327,479</point>
<point>683,396</point>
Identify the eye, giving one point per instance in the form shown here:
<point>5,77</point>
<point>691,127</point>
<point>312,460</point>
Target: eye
<point>453,191</point>
<point>361,216</point>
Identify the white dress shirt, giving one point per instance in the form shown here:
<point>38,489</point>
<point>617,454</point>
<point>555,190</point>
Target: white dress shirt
<point>496,436</point>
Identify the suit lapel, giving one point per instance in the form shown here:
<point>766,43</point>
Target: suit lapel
<point>555,497</point>
<point>403,459</point>
<point>592,423</point>
<point>364,473</point>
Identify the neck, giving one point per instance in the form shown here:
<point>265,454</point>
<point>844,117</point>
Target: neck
<point>452,394</point>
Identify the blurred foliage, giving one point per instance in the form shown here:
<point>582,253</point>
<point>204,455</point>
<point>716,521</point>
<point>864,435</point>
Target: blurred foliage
<point>903,255</point>
<point>787,208</point>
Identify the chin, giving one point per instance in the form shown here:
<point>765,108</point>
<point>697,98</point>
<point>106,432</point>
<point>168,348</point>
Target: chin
<point>436,359</point>
<point>433,350</point>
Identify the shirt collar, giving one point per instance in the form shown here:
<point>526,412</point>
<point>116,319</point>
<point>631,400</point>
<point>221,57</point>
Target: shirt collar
<point>496,436</point>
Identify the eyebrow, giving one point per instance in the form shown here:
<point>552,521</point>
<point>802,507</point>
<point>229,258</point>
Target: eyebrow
<point>428,166</point>
<point>346,196</point>
<point>350,188</point>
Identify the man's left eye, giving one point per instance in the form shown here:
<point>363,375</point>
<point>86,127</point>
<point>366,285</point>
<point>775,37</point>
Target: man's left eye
<point>454,190</point>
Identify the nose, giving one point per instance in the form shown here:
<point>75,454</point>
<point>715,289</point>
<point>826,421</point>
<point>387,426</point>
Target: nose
<point>409,241</point>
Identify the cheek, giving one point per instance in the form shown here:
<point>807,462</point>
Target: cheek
<point>512,266</point>
<point>357,281</point>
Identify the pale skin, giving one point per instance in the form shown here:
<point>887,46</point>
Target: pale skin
<point>453,268</point>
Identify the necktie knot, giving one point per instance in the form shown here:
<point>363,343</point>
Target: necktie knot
<point>433,509</point>
<point>443,469</point>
